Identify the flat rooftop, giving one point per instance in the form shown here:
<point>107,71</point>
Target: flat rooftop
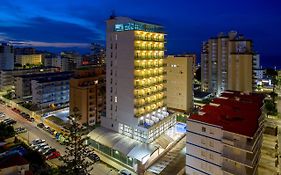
<point>234,112</point>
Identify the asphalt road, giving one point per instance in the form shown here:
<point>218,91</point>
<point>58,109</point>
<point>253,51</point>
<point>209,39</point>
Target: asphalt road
<point>34,132</point>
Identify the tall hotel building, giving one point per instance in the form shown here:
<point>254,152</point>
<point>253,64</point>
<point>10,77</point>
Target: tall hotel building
<point>135,79</point>
<point>227,64</point>
<point>225,137</point>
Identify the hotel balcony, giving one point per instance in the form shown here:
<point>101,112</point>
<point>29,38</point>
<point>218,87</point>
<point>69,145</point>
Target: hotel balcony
<point>144,111</point>
<point>148,93</point>
<point>140,86</point>
<point>147,66</point>
<point>155,37</point>
<point>140,105</point>
<point>149,48</point>
<point>148,57</point>
<point>150,75</point>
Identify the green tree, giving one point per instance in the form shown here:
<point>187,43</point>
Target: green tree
<point>76,150</point>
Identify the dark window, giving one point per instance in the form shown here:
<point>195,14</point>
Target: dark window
<point>203,129</point>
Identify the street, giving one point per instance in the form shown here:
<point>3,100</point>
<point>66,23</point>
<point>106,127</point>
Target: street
<point>33,133</point>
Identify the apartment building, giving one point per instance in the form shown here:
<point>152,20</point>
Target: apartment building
<point>87,94</point>
<point>179,84</point>
<point>7,77</point>
<point>23,82</point>
<point>32,59</point>
<point>225,137</point>
<point>50,91</point>
<point>6,56</point>
<point>221,60</point>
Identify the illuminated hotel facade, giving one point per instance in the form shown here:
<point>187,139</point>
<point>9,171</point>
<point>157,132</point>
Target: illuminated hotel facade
<point>135,80</point>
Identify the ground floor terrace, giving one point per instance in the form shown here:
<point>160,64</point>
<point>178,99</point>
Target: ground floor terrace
<point>132,154</point>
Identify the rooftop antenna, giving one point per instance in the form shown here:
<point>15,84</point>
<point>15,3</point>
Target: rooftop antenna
<point>112,16</point>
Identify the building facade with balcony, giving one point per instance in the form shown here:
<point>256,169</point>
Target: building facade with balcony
<point>135,79</point>
<point>225,137</point>
<point>180,82</point>
<point>48,91</point>
<point>32,59</point>
<point>227,63</point>
<point>23,82</point>
<point>7,77</point>
<point>87,94</point>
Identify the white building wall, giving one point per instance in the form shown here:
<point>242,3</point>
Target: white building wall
<point>204,148</point>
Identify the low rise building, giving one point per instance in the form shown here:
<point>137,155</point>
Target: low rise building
<point>179,85</point>
<point>7,77</point>
<point>225,137</point>
<point>23,82</point>
<point>32,59</point>
<point>50,91</point>
<point>87,94</point>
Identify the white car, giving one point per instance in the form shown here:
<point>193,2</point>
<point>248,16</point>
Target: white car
<point>43,149</point>
<point>37,147</point>
<point>37,141</point>
<point>2,115</point>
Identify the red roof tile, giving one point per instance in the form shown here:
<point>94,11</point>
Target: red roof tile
<point>238,113</point>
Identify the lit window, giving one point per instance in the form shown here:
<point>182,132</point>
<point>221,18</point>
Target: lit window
<point>115,99</point>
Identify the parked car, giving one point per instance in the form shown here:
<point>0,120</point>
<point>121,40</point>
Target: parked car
<point>94,157</point>
<point>9,121</point>
<point>124,172</point>
<point>37,141</point>
<point>40,125</point>
<point>38,146</point>
<point>49,151</point>
<point>20,130</point>
<point>31,119</point>
<point>53,155</point>
<point>43,149</point>
<point>2,115</point>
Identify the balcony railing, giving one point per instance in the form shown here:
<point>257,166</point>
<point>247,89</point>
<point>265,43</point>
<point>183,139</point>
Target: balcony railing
<point>246,160</point>
<point>150,94</point>
<point>150,75</point>
<point>139,67</point>
<point>150,103</point>
<point>232,169</point>
<point>148,111</point>
<point>150,84</point>
<point>148,57</point>
<point>150,48</point>
<point>141,38</point>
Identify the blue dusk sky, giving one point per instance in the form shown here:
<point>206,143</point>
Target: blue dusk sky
<point>57,25</point>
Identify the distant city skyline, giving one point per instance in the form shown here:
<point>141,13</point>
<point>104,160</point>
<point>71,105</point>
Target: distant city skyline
<point>63,25</point>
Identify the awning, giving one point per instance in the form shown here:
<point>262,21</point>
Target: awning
<point>164,140</point>
<point>121,143</point>
<point>141,151</point>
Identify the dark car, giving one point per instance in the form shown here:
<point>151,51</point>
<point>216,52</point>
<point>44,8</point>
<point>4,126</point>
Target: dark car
<point>94,157</point>
<point>40,125</point>
<point>31,119</point>
<point>9,121</point>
